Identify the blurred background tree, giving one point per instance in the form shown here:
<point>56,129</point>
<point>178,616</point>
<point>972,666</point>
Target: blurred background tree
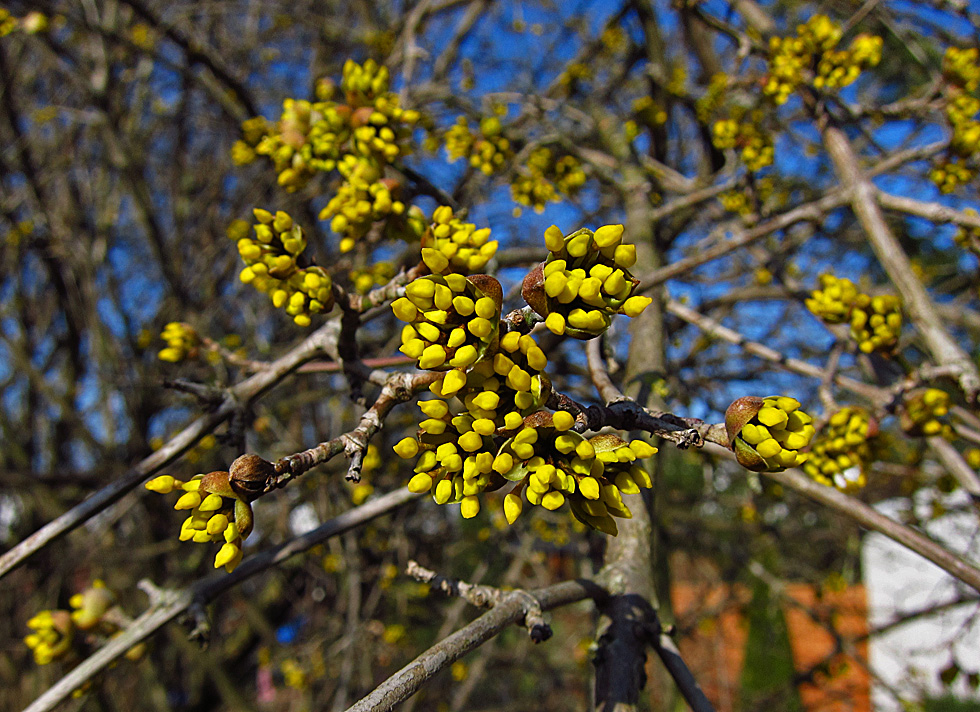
<point>737,141</point>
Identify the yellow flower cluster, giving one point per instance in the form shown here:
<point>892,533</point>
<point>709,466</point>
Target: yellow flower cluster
<point>272,266</point>
<point>961,70</point>
<point>503,388</point>
<point>218,513</point>
<point>499,382</point>
<point>89,606</point>
<point>51,637</point>
<point>832,301</point>
<point>550,463</point>
<point>32,23</point>
<point>767,434</point>
<point>375,275</point>
<point>584,281</point>
<point>972,457</point>
<point>313,136</point>
<point>961,67</point>
<point>182,342</point>
<point>840,454</point>
<point>735,201</point>
<point>575,73</point>
<point>962,110</point>
<point>754,142</point>
<point>948,175</point>
<point>649,112</point>
<point>740,201</point>
<point>969,237</point>
<point>876,322</point>
<point>94,611</point>
<point>921,412</point>
<point>792,59</point>
<point>713,97</point>
<point>486,149</point>
<point>452,320</point>
<point>495,394</point>
<point>838,68</point>
<point>546,178</point>
<point>467,249</point>
<point>362,199</point>
<point>553,465</point>
<point>8,22</point>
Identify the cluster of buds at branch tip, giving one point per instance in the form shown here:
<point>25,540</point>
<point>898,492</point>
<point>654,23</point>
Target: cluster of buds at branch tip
<point>546,178</point>
<point>465,249</point>
<point>182,342</point>
<point>453,321</point>
<point>549,462</point>
<point>584,281</point>
<point>767,434</point>
<point>95,616</point>
<point>812,57</point>
<point>316,136</point>
<point>219,505</point>
<point>553,464</point>
<point>841,453</point>
<point>876,322</point>
<point>272,265</point>
<point>921,411</point>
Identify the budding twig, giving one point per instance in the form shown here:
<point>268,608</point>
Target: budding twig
<point>399,388</point>
<point>484,597</point>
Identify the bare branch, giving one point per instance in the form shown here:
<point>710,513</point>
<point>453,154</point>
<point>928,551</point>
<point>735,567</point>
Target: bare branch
<point>862,196</point>
<point>511,609</point>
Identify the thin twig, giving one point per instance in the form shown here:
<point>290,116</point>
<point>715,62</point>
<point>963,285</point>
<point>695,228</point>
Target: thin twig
<point>511,609</point>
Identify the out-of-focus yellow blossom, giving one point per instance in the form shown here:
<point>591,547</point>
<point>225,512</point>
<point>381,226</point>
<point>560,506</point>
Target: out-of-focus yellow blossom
<point>745,132</point>
<point>961,67</point>
<point>972,457</point>
<point>8,22</point>
<point>876,322</point>
<point>546,178</point>
<point>791,59</point>
<point>485,149</point>
<point>962,73</point>
<point>51,637</point>
<point>840,455</point>
<point>923,413</point>
<point>91,605</point>
<point>968,237</point>
<point>182,342</point>
<point>375,275</point>
<point>713,97</point>
<point>950,174</point>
